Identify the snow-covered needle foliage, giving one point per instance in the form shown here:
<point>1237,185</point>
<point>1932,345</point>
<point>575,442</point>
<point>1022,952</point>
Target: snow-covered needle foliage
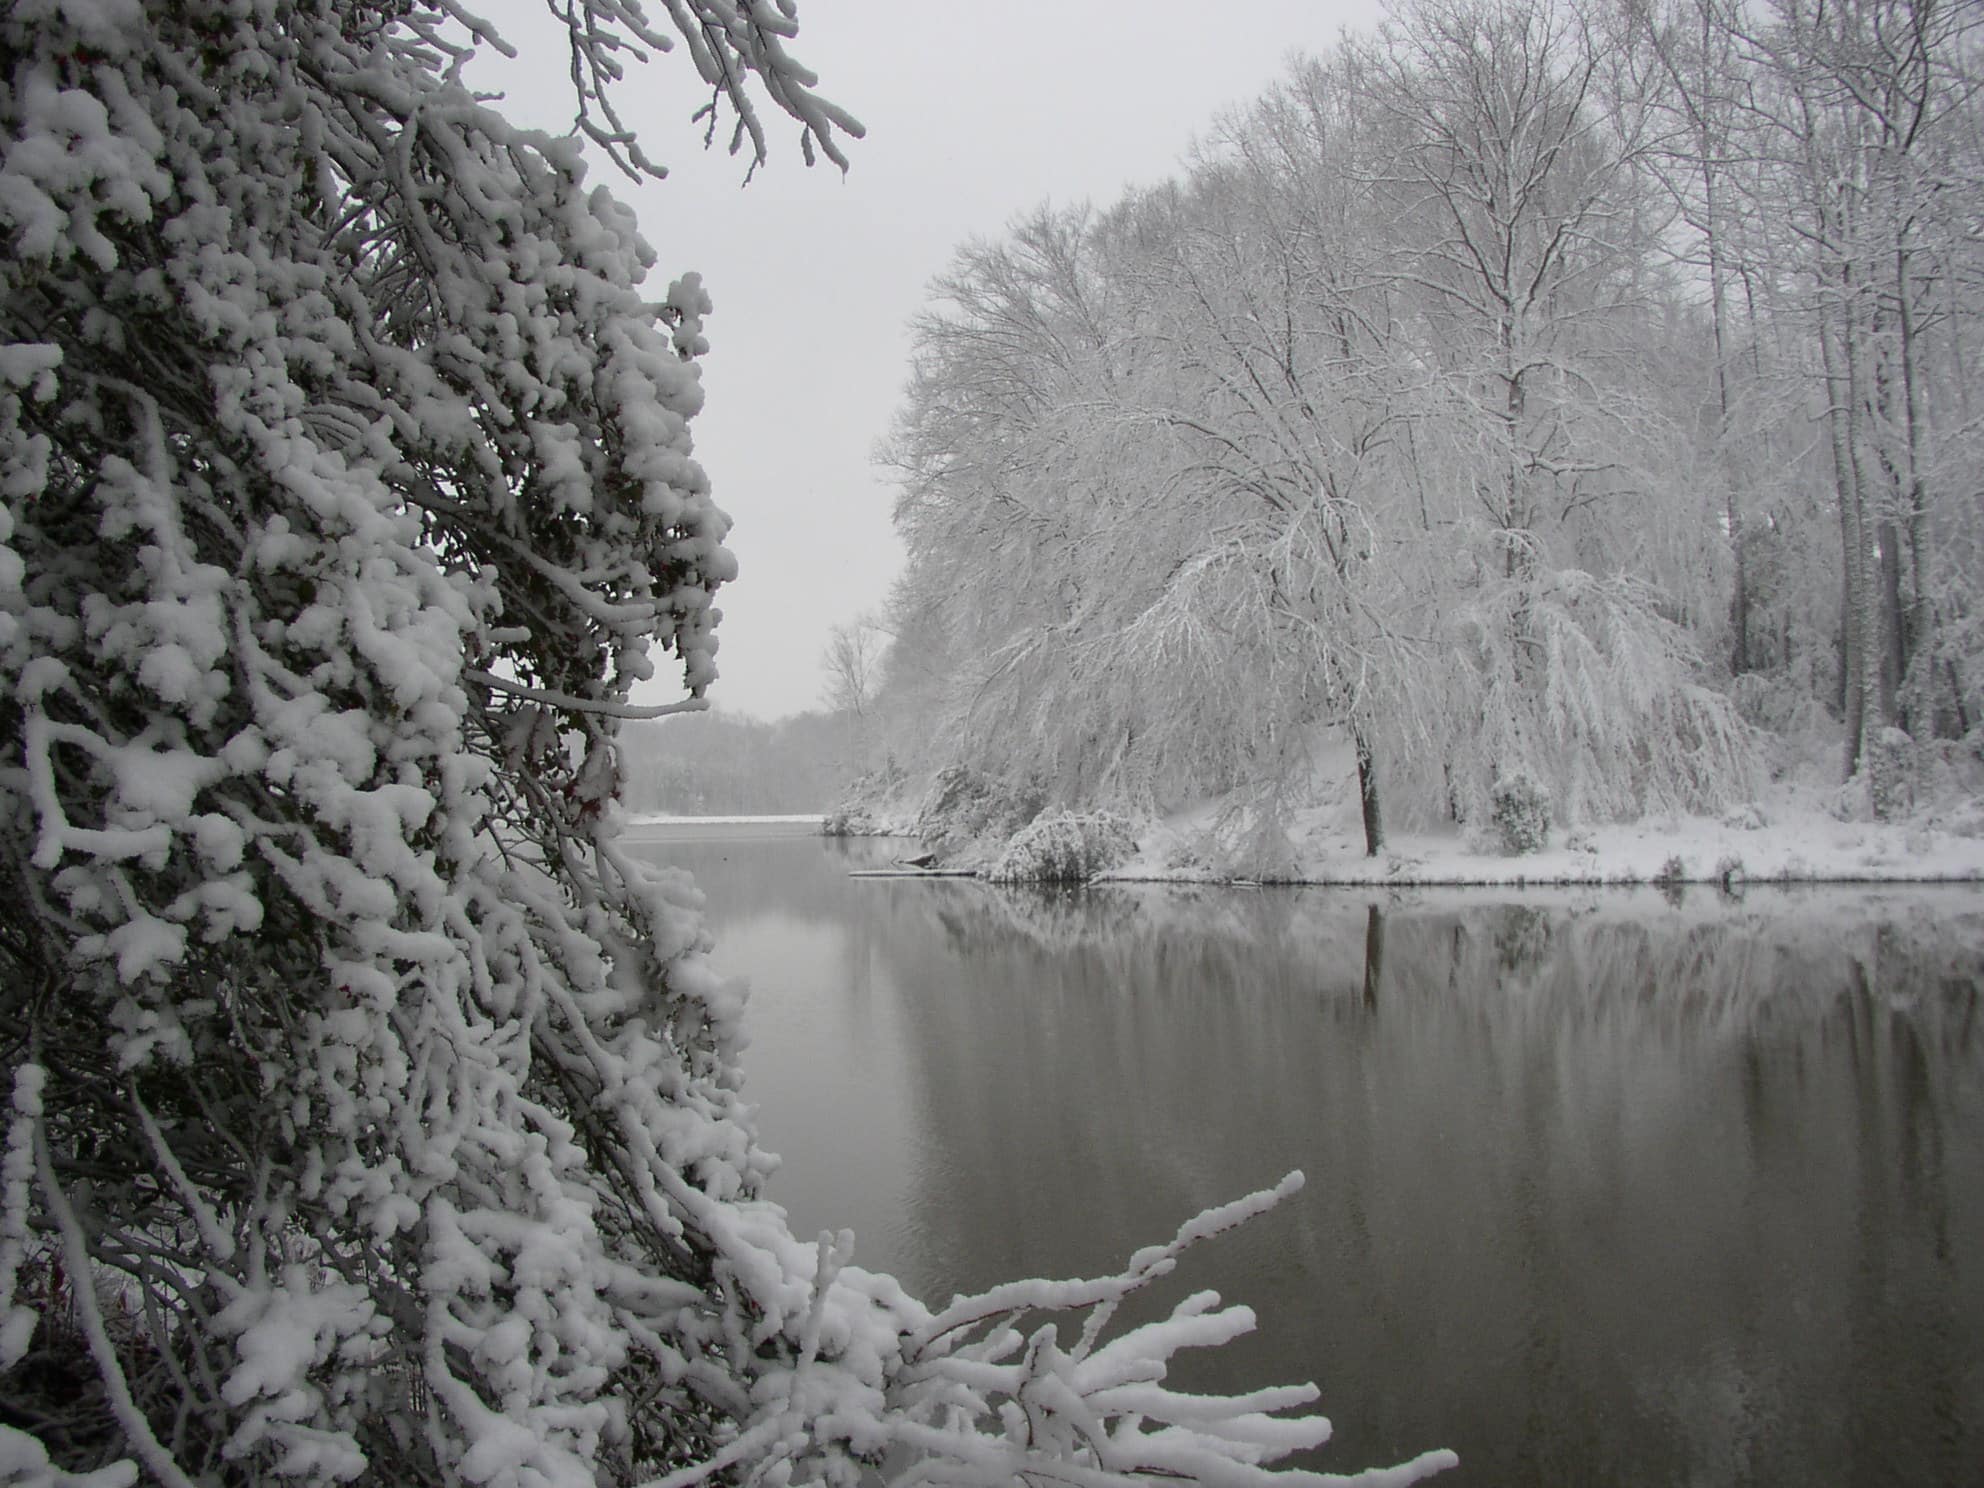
<point>372,1117</point>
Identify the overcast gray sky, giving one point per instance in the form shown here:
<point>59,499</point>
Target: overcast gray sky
<point>976,110</point>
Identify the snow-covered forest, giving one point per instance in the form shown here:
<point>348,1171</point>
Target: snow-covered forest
<point>371,1115</point>
<point>1563,398</point>
<point>717,764</point>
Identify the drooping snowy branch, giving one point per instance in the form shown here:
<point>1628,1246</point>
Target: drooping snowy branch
<point>375,1115</point>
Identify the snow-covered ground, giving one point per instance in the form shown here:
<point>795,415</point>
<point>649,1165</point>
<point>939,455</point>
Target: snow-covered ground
<point>1796,831</point>
<point>1791,834</point>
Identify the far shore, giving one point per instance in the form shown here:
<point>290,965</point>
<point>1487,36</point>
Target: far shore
<point>649,826</point>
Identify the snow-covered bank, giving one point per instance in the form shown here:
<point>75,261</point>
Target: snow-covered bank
<point>1790,837</point>
<point>965,816</point>
<point>1800,832</point>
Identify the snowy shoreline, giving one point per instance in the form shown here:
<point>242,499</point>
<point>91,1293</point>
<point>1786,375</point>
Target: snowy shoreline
<point>1798,843</point>
<point>1792,835</point>
<point>1408,879</point>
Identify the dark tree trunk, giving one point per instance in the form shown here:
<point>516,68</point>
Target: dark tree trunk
<point>1367,796</point>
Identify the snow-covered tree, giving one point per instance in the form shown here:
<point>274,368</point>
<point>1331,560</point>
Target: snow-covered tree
<point>1022,481</point>
<point>1550,452</point>
<point>852,662</point>
<point>1289,404</point>
<point>1867,121</point>
<point>1368,422</point>
<point>371,1116</point>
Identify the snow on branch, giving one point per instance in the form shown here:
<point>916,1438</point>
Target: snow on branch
<point>566,702</point>
<point>971,1397</point>
<point>376,1116</point>
<point>729,42</point>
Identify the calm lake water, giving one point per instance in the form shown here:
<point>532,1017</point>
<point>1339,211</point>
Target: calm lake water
<point>1602,1189</point>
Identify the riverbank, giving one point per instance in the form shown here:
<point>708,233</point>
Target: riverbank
<point>1790,836</point>
<point>1792,833</point>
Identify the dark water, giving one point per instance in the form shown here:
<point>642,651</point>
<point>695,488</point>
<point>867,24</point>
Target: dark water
<point>1602,1189</point>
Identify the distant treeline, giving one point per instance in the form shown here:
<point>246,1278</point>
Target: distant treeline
<point>715,764</point>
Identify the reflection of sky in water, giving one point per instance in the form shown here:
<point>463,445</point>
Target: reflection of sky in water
<point>823,1041</point>
<point>1603,1191</point>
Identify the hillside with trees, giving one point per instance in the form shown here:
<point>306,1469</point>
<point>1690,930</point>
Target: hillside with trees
<point>1567,397</point>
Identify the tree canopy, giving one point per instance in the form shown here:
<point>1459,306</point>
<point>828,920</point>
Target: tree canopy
<point>1566,389</point>
<point>372,1115</point>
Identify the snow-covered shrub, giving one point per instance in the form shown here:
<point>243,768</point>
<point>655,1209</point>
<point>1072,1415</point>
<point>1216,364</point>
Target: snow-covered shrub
<point>848,821</point>
<point>1247,839</point>
<point>965,808</point>
<point>1187,853</point>
<point>1890,772</point>
<point>1851,800</point>
<point>1064,847</point>
<point>1949,771</point>
<point>1730,873</point>
<point>1263,851</point>
<point>881,803</point>
<point>348,493</point>
<point>1672,873</point>
<point>1746,816</point>
<point>379,1112</point>
<point>1964,819</point>
<point>1520,808</point>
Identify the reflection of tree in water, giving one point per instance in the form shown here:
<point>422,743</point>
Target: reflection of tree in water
<point>732,872</point>
<point>1726,964</point>
<point>1522,937</point>
<point>1064,916</point>
<point>1584,1166</point>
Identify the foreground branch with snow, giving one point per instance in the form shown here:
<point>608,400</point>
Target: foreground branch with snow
<point>373,1115</point>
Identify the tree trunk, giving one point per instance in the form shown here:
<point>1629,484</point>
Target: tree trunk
<point>1876,685</point>
<point>1838,397</point>
<point>1894,659</point>
<point>1739,599</point>
<point>1897,498</point>
<point>1367,797</point>
<point>1917,635</point>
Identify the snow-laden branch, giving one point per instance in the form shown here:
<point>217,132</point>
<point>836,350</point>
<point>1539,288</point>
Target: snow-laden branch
<point>567,702</point>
